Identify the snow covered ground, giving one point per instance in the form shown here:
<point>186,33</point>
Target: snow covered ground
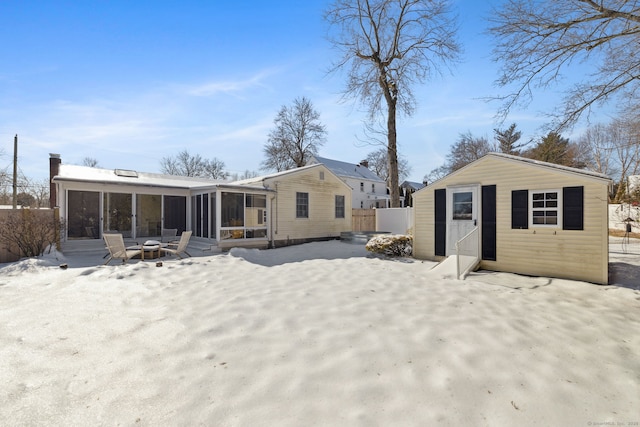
<point>319,334</point>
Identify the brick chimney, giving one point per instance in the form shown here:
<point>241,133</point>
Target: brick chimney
<point>364,163</point>
<point>54,169</point>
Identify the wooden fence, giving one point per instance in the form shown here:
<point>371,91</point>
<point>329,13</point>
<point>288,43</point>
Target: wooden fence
<point>363,220</point>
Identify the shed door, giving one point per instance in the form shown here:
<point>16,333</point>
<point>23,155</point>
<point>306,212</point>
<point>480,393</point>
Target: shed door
<point>462,214</point>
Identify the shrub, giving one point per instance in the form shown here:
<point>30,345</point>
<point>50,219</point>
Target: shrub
<point>391,245</point>
<point>28,232</point>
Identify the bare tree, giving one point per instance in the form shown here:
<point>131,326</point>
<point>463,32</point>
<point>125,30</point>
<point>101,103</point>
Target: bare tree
<point>436,174</point>
<point>624,132</point>
<point>538,40</point>
<point>185,164</point>
<point>467,149</point>
<point>599,145</point>
<point>387,46</point>
<point>247,174</point>
<point>379,164</point>
<point>91,162</point>
<point>297,136</point>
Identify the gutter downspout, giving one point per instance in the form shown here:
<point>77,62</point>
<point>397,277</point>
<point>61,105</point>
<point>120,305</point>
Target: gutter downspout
<point>271,217</point>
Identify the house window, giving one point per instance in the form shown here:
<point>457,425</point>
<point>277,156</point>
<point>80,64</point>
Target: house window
<point>302,205</point>
<point>361,204</point>
<point>545,207</point>
<point>243,216</point>
<point>321,175</point>
<point>463,206</point>
<point>362,186</point>
<point>339,206</point>
<point>373,188</point>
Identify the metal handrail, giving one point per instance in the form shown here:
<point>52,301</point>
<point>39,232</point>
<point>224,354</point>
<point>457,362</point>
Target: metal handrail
<point>476,253</point>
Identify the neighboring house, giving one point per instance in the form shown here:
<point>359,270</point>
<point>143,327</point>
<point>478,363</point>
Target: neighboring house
<point>303,204</point>
<point>633,183</point>
<point>368,189</point>
<point>528,217</point>
<point>408,188</point>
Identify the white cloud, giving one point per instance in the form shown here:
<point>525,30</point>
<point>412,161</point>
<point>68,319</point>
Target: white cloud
<point>232,86</point>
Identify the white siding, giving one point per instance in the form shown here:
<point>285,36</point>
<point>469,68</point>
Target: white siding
<point>322,222</point>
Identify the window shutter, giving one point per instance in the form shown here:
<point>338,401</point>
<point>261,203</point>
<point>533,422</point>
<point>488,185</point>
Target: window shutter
<point>520,209</point>
<point>573,208</point>
<point>489,222</point>
<point>440,205</point>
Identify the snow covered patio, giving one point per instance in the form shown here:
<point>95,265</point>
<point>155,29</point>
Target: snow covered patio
<point>317,334</point>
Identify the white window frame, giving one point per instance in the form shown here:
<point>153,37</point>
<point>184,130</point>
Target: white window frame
<point>337,196</point>
<point>302,203</point>
<point>557,208</point>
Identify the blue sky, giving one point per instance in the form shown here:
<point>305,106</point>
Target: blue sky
<point>128,83</point>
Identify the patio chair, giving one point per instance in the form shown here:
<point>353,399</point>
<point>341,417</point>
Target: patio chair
<point>168,234</point>
<point>117,250</point>
<point>181,247</point>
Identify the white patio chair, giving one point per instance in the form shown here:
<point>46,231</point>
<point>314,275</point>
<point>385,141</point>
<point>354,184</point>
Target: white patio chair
<point>181,247</point>
<point>168,234</point>
<point>117,250</point>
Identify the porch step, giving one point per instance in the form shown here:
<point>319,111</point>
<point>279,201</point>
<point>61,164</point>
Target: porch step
<point>448,267</point>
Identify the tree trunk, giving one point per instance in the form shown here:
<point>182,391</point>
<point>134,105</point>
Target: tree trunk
<point>392,153</point>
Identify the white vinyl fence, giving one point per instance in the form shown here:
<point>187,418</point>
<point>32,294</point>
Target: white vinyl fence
<point>395,220</point>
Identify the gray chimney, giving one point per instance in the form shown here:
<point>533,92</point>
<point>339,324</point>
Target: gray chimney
<point>364,163</point>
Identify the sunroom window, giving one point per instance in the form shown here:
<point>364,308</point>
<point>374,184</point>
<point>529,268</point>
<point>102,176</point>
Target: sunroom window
<point>244,216</point>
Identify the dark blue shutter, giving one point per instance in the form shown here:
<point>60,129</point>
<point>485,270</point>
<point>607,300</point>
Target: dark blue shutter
<point>520,209</point>
<point>488,229</point>
<point>573,208</point>
<point>440,206</point>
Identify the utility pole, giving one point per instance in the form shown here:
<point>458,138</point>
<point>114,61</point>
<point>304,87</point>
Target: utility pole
<point>15,172</point>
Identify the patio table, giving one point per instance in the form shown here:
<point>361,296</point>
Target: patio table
<point>149,250</point>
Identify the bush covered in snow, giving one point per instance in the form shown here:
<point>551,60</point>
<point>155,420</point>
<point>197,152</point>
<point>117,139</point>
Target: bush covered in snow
<point>391,244</point>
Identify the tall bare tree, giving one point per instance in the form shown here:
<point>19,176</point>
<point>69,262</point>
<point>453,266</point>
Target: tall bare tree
<point>388,46</point>
<point>185,164</point>
<point>297,135</point>
<point>538,40</point>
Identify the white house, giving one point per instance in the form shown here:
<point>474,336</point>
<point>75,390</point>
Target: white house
<point>296,206</point>
<point>368,189</point>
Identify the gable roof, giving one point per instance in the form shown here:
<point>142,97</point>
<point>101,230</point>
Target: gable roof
<point>412,185</point>
<point>529,162</point>
<point>348,170</point>
<point>259,180</point>
<point>262,178</point>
